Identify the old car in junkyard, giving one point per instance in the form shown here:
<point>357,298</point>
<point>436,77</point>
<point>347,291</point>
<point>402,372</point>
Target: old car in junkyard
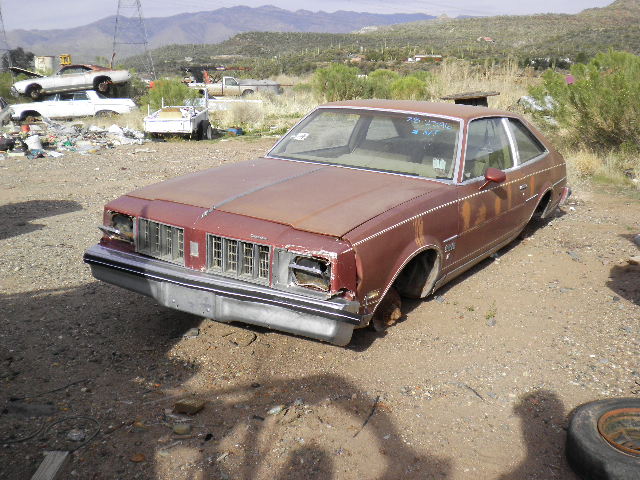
<point>360,204</point>
<point>70,78</point>
<point>71,105</point>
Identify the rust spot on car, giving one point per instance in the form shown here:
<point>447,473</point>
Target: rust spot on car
<point>497,205</point>
<point>466,215</point>
<point>418,226</point>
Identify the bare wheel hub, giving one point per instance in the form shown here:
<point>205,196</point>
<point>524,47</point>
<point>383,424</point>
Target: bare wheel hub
<point>621,428</point>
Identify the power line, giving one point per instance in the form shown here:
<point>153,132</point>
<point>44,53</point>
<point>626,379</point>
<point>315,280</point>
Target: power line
<point>4,44</point>
<point>130,30</point>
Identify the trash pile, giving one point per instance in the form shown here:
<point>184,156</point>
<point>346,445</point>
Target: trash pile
<point>53,139</point>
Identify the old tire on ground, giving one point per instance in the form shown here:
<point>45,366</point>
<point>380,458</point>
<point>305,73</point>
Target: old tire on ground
<point>603,440</point>
<point>34,92</point>
<point>388,311</point>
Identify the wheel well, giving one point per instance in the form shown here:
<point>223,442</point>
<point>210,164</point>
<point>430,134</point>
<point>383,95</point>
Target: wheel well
<point>99,80</point>
<point>417,278</point>
<point>33,86</point>
<point>542,205</point>
<point>29,113</point>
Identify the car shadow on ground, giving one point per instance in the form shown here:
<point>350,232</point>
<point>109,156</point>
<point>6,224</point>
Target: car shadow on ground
<point>16,218</point>
<point>624,280</point>
<point>99,352</point>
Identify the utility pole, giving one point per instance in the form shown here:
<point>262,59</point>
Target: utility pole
<point>129,14</point>
<point>4,45</point>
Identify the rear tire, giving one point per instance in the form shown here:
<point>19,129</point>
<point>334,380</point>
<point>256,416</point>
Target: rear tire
<point>103,85</point>
<point>246,92</point>
<point>34,92</point>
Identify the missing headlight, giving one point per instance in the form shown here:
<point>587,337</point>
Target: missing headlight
<point>311,272</point>
<point>121,227</point>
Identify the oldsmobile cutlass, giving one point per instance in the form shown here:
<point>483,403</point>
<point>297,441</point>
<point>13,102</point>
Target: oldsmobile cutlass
<point>361,204</point>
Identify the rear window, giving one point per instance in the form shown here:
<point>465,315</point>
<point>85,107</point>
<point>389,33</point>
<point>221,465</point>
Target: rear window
<point>528,146</point>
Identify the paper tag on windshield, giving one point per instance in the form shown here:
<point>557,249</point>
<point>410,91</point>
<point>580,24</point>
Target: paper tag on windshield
<point>300,136</point>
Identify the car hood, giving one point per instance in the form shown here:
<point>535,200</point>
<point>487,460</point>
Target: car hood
<point>317,198</point>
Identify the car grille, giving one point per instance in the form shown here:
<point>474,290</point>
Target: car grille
<point>235,258</point>
<point>161,241</point>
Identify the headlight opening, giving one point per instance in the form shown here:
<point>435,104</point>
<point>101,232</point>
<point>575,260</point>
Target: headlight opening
<point>311,272</point>
<point>121,227</point>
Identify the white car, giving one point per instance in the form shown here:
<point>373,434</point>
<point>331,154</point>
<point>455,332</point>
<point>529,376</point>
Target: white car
<point>72,104</point>
<point>70,78</point>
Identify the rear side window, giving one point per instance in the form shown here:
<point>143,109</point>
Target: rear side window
<point>487,146</point>
<point>528,146</point>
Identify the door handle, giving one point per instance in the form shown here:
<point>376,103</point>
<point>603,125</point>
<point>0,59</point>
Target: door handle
<point>524,187</point>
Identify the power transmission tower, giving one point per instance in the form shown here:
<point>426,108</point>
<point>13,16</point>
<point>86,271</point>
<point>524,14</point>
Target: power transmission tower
<point>4,45</point>
<point>130,30</point>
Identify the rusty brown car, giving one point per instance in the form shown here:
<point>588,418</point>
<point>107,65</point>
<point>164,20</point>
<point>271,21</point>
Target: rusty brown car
<point>360,204</point>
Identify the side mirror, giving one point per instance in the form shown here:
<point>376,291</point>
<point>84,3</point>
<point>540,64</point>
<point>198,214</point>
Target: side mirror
<point>493,175</point>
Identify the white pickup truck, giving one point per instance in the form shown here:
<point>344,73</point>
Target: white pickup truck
<point>230,86</point>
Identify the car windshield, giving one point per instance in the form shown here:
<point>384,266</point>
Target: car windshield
<point>411,144</point>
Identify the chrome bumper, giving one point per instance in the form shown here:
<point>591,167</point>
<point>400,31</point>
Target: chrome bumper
<point>223,299</point>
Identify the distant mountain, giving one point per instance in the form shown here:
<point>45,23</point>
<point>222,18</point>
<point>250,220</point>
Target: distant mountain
<point>87,42</point>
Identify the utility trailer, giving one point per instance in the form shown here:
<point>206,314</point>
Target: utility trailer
<point>188,121</point>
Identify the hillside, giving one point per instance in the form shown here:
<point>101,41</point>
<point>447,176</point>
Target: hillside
<point>195,28</point>
<point>528,36</point>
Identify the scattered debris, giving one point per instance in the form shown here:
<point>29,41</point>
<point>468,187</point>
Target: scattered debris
<point>181,428</point>
<point>373,410</point>
<point>51,466</point>
<point>76,435</point>
<point>276,410</point>
<point>574,256</point>
<point>138,457</point>
<point>192,332</point>
<point>189,406</point>
<point>634,260</point>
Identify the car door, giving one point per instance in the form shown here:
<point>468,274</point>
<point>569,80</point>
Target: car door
<point>489,213</point>
<point>533,163</point>
<point>72,77</point>
<point>82,105</point>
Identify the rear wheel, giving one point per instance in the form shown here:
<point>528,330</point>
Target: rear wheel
<point>103,85</point>
<point>247,92</point>
<point>34,92</point>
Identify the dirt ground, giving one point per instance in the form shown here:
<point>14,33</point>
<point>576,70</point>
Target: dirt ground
<point>474,383</point>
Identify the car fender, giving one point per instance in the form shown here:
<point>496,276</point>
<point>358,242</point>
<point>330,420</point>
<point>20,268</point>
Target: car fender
<point>378,272</point>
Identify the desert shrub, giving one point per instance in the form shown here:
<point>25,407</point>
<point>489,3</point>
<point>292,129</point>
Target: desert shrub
<point>600,110</point>
<point>409,88</point>
<point>379,83</point>
<point>338,82</point>
<point>174,92</point>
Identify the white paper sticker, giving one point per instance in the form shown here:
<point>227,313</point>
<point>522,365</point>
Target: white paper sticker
<point>301,136</point>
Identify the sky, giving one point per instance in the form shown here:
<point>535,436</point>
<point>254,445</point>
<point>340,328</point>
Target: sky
<point>51,14</point>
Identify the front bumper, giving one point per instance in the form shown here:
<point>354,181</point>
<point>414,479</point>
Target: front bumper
<point>224,299</point>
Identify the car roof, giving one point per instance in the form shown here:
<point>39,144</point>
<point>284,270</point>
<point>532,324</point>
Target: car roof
<point>465,112</point>
<point>86,65</point>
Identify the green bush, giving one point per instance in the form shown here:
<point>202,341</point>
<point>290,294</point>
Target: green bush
<point>174,92</point>
<point>600,110</point>
<point>379,83</point>
<point>409,88</point>
<point>338,82</point>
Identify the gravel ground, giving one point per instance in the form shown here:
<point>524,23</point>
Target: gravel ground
<point>474,383</point>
